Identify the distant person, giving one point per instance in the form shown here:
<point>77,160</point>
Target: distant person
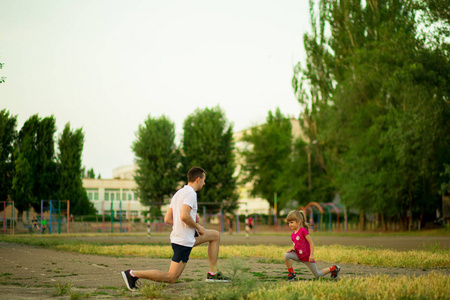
<point>71,218</point>
<point>35,224</point>
<point>186,234</point>
<point>44,225</point>
<point>248,226</point>
<point>303,250</point>
<point>230,223</point>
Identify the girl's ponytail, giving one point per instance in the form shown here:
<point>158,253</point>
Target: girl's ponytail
<point>305,224</point>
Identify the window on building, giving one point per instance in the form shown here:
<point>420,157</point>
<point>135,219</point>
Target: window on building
<point>112,194</point>
<point>92,194</point>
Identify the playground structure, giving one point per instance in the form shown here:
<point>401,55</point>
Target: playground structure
<point>55,209</point>
<point>313,208</point>
<point>124,217</point>
<point>52,216</point>
<point>7,220</point>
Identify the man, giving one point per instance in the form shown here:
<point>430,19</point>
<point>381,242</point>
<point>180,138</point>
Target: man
<point>186,234</point>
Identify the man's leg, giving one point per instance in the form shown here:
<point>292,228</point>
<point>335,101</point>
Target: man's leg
<point>213,238</point>
<point>171,276</point>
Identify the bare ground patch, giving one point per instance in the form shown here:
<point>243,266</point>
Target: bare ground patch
<point>28,272</point>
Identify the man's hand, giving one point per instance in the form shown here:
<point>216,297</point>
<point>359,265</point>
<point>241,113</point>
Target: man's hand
<point>200,230</point>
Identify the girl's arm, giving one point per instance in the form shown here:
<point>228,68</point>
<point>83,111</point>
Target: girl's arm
<point>311,246</point>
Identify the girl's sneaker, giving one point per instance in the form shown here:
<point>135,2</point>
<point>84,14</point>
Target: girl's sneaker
<point>335,273</point>
<point>291,276</point>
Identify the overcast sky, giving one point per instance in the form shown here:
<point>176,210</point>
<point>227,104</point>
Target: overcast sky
<point>105,66</point>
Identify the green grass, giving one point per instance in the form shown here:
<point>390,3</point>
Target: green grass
<point>431,256</point>
<point>62,288</point>
<point>431,286</point>
<point>253,284</point>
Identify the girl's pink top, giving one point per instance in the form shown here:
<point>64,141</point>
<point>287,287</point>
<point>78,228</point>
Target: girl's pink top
<point>301,245</point>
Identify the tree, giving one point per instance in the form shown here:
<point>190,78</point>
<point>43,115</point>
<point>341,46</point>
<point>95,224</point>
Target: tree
<point>8,136</point>
<point>90,173</point>
<point>45,172</point>
<point>25,157</point>
<point>22,185</point>
<point>71,188</point>
<point>208,143</point>
<point>267,157</point>
<point>377,100</point>
<point>157,159</point>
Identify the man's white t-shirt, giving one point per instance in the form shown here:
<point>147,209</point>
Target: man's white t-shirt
<point>181,233</point>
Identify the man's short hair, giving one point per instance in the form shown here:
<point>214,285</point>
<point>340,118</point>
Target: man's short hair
<point>195,173</point>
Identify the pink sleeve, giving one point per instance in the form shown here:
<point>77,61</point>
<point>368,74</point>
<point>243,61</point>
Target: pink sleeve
<point>304,231</point>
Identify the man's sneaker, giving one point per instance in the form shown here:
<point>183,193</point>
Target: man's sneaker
<point>218,277</point>
<point>130,281</point>
<point>335,273</point>
<point>292,276</point>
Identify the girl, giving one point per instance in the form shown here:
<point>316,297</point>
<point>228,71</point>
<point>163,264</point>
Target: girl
<point>303,247</point>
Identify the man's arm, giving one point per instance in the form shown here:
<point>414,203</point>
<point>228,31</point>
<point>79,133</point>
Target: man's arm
<point>168,218</point>
<point>186,218</point>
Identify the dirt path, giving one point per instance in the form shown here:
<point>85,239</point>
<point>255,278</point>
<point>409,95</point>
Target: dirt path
<point>32,273</point>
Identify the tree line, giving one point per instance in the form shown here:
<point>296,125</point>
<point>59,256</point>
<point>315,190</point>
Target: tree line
<point>31,170</point>
<point>375,89</point>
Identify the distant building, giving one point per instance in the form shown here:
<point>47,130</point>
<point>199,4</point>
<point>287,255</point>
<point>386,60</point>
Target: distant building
<point>115,196</point>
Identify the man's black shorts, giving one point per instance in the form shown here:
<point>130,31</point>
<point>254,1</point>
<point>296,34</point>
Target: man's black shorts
<point>181,253</point>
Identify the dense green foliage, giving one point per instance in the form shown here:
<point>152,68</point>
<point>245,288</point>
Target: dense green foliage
<point>377,103</point>
<point>35,168</point>
<point>70,171</point>
<point>8,135</point>
<point>32,172</point>
<point>157,159</point>
<point>267,156</point>
<point>208,143</point>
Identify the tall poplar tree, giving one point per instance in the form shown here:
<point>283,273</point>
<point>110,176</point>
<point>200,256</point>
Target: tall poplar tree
<point>208,143</point>
<point>8,136</point>
<point>157,158</point>
<point>70,144</point>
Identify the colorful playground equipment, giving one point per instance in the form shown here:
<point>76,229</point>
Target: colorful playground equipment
<point>7,220</point>
<point>318,210</point>
<point>55,209</point>
<point>124,221</point>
